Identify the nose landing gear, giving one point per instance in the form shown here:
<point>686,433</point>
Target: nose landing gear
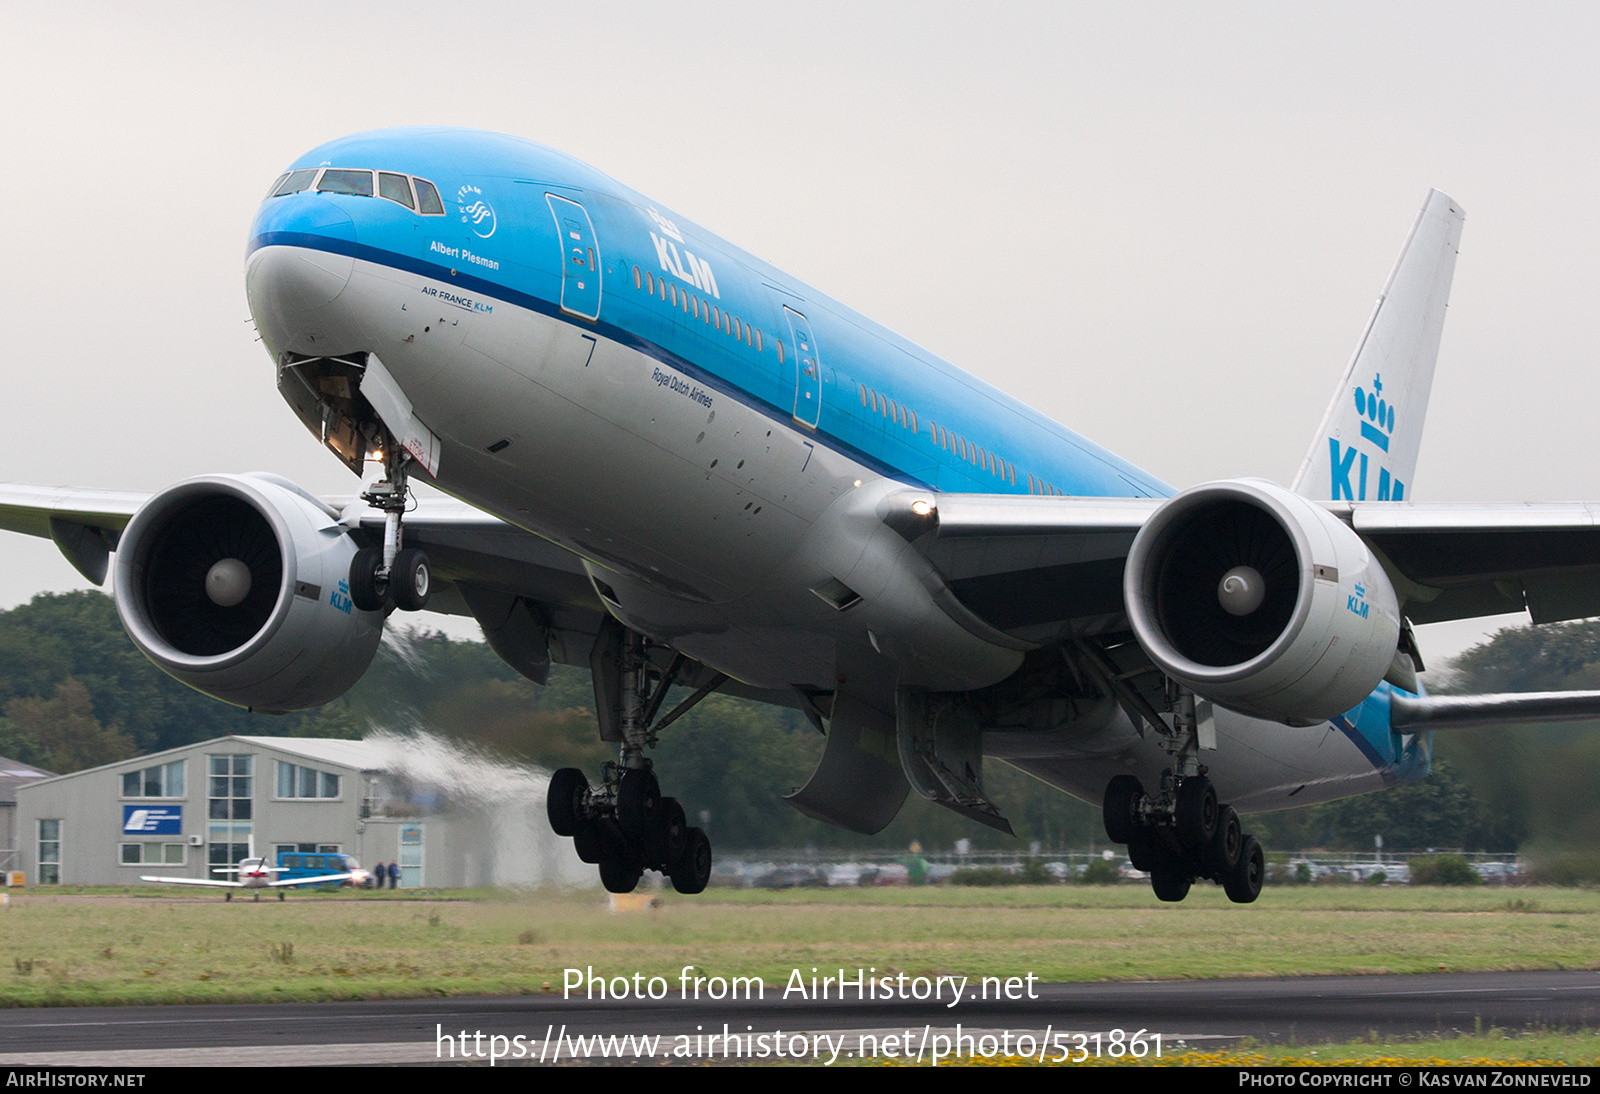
<point>392,573</point>
<point>624,825</point>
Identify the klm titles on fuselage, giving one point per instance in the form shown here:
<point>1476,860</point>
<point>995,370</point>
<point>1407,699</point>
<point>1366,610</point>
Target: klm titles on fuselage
<point>456,300</point>
<point>696,271</point>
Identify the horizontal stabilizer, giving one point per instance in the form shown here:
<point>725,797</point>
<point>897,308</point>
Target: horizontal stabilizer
<point>1465,711</point>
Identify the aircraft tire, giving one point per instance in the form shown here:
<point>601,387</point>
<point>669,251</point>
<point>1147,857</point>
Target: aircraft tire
<point>1221,854</point>
<point>1170,883</point>
<point>1120,808</point>
<point>590,843</point>
<point>620,875</point>
<point>638,803</point>
<point>1196,818</point>
<point>367,591</point>
<point>1243,882</point>
<point>671,833</point>
<point>567,788</point>
<point>692,872</point>
<point>1143,851</point>
<point>410,580</point>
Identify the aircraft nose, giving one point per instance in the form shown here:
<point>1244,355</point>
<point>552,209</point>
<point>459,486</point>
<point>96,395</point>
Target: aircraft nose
<point>295,280</point>
<point>294,271</point>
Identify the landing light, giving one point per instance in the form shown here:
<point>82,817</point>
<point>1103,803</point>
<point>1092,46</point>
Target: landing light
<point>922,507</point>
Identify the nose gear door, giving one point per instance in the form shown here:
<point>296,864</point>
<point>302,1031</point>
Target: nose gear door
<point>580,258</point>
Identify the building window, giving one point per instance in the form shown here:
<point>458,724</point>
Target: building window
<point>230,794</point>
<point>165,781</point>
<point>152,854</point>
<point>295,781</point>
<point>50,852</point>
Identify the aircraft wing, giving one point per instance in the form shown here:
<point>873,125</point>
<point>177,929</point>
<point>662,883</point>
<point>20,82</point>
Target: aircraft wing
<point>194,881</point>
<point>322,879</point>
<point>1043,568</point>
<point>532,597</point>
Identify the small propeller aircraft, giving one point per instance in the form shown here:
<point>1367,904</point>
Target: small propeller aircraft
<point>256,873</point>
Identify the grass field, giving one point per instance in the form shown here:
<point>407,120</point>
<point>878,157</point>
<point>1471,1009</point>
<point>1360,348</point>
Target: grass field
<point>151,947</point>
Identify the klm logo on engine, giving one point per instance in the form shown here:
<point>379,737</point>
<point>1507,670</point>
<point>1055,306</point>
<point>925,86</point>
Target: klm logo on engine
<point>340,597</point>
<point>1350,464</point>
<point>1356,602</point>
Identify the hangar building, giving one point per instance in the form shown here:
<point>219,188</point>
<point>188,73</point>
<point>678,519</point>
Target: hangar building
<point>186,811</point>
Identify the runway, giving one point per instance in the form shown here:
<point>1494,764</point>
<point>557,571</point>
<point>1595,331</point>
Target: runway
<point>1072,1019</point>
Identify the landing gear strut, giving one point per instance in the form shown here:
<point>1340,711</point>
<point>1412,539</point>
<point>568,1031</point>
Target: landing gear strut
<point>624,826</point>
<point>1182,833</point>
<point>392,572</point>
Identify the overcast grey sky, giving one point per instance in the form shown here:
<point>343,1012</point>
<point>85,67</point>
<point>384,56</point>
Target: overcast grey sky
<point>1163,224</point>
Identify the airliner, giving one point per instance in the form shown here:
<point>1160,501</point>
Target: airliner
<point>668,460</point>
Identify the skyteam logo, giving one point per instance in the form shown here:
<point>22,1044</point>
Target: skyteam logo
<point>1376,415</point>
<point>476,213</point>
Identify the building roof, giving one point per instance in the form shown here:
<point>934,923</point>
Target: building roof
<point>361,755</point>
<point>14,773</point>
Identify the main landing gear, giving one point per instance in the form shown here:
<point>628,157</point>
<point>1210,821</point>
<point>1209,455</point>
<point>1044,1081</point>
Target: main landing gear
<point>392,573</point>
<point>624,825</point>
<point>1182,833</point>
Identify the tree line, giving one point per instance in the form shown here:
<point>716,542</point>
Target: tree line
<point>75,693</point>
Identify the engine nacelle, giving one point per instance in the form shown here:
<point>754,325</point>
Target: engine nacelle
<point>237,585</point>
<point>1262,601</point>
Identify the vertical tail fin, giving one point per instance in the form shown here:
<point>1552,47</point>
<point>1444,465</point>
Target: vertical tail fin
<point>1366,448</point>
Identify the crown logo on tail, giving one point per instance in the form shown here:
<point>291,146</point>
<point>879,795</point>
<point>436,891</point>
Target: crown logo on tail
<point>1378,413</point>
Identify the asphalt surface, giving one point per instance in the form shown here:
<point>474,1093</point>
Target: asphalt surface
<point>1197,1013</point>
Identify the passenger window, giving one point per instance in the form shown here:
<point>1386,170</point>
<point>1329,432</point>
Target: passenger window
<point>428,202</point>
<point>758,339</point>
<point>344,181</point>
<point>673,290</point>
<point>863,394</point>
<point>914,428</point>
<point>650,283</point>
<point>294,182</point>
<point>637,280</point>
<point>779,344</point>
<point>395,188</point>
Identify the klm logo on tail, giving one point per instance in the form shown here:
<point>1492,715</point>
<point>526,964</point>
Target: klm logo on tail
<point>1349,464</point>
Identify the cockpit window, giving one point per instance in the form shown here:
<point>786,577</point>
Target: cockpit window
<point>294,182</point>
<point>395,188</point>
<point>428,199</point>
<point>358,183</point>
<point>343,181</point>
